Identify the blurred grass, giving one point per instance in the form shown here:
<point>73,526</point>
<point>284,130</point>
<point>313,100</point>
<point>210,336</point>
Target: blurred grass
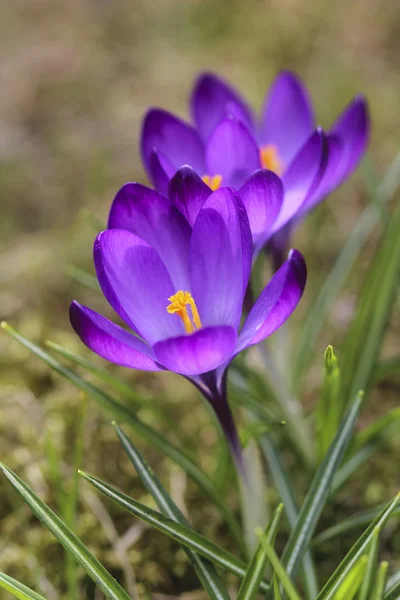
<point>76,80</point>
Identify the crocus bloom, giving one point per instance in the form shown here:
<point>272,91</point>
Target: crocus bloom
<point>226,144</point>
<point>178,282</point>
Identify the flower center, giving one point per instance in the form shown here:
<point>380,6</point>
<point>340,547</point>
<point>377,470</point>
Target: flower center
<point>213,181</point>
<point>270,159</point>
<point>178,306</point>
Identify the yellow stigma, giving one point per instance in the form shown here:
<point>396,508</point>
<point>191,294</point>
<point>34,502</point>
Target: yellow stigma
<point>270,159</point>
<point>178,306</point>
<point>213,181</point>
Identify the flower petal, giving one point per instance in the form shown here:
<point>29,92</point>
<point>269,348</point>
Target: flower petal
<point>158,222</point>
<point>262,195</point>
<point>188,192</point>
<point>220,258</point>
<point>131,273</point>
<point>232,152</point>
<point>212,100</point>
<point>197,353</point>
<point>302,177</point>
<point>174,142</point>
<point>110,341</point>
<point>352,130</point>
<point>288,118</point>
<point>276,302</point>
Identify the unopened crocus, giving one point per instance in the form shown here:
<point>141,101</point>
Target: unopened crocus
<point>227,143</point>
<point>178,283</point>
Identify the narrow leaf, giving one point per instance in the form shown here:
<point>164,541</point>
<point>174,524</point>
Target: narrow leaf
<point>393,592</point>
<point>280,571</point>
<point>371,569</point>
<point>181,533</point>
<point>380,582</point>
<point>284,489</point>
<point>72,544</point>
<point>351,584</point>
<point>359,548</point>
<point>205,571</point>
<point>255,572</point>
<point>330,407</point>
<point>17,589</point>
<point>124,414</point>
<point>319,491</point>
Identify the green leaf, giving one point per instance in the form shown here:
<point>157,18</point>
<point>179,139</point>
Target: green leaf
<point>120,386</point>
<point>359,548</point>
<point>319,491</point>
<point>72,544</point>
<point>280,571</point>
<point>284,489</point>
<point>83,277</point>
<point>330,407</point>
<point>367,329</point>
<point>359,519</point>
<point>377,430</point>
<point>317,314</point>
<point>368,581</point>
<point>380,581</point>
<point>277,591</point>
<point>205,571</point>
<point>177,531</point>
<point>393,593</point>
<point>256,569</point>
<point>351,584</point>
<point>124,414</point>
<point>386,369</point>
<point>17,589</point>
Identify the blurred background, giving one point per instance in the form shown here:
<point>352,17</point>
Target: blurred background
<point>76,78</point>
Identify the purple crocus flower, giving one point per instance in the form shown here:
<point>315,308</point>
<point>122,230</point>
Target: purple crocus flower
<point>227,144</point>
<point>177,279</point>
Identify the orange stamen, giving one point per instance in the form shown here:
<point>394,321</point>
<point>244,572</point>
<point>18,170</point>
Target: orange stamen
<point>178,306</point>
<point>270,159</point>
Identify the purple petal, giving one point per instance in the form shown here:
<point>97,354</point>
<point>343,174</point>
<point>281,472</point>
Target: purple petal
<point>131,272</point>
<point>232,152</point>
<point>262,195</point>
<point>220,263</point>
<point>110,341</point>
<point>352,130</point>
<point>158,222</point>
<point>276,302</point>
<point>157,169</point>
<point>197,353</point>
<point>322,189</point>
<point>288,118</point>
<point>173,141</point>
<point>302,177</point>
<point>212,100</point>
<point>188,192</point>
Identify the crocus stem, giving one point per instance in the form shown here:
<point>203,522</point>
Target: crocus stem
<point>217,397</point>
<point>292,409</point>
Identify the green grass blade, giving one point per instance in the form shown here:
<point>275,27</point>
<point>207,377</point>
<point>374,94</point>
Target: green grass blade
<point>393,593</point>
<point>255,572</point>
<point>125,415</point>
<point>319,491</point>
<point>380,581</point>
<point>326,298</point>
<point>284,489</point>
<point>120,386</point>
<point>329,408</point>
<point>377,430</point>
<point>351,585</point>
<point>354,554</point>
<point>280,571</point>
<point>177,531</point>
<point>386,369</point>
<point>358,520</point>
<point>72,544</point>
<point>17,589</point>
<point>367,329</point>
<point>368,581</point>
<point>83,277</point>
<point>204,570</point>
<point>277,591</point>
